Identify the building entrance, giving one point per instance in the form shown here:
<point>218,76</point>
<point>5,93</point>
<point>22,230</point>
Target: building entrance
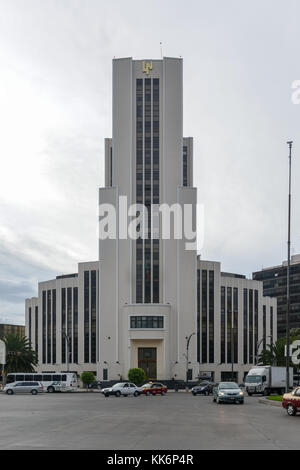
<point>147,360</point>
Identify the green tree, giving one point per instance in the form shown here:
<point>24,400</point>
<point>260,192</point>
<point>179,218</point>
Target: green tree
<point>20,357</point>
<point>87,378</point>
<point>137,376</point>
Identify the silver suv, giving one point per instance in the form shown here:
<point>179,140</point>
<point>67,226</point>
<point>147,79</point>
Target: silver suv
<point>124,389</point>
<point>23,387</point>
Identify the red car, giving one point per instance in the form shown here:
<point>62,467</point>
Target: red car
<point>291,402</point>
<point>154,388</point>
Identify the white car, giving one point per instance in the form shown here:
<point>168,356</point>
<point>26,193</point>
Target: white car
<point>122,388</point>
<point>23,387</point>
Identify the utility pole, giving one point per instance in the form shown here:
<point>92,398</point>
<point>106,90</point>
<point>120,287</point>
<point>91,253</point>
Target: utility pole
<point>232,349</point>
<point>188,339</point>
<point>290,143</point>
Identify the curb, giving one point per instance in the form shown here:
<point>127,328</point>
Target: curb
<point>264,401</point>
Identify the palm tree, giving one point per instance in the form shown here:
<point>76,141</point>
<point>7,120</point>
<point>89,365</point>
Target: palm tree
<point>20,357</point>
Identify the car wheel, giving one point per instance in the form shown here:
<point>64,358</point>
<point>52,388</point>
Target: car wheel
<point>147,393</point>
<point>266,392</point>
<point>250,394</point>
<point>153,393</point>
<point>136,394</point>
<point>10,391</point>
<point>163,392</point>
<point>214,400</point>
<point>291,410</point>
<point>33,392</point>
<point>118,394</point>
<point>194,393</point>
<point>51,389</point>
<point>106,395</point>
<point>125,395</point>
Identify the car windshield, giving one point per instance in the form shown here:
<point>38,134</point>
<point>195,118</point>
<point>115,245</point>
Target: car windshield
<point>253,379</point>
<point>226,385</point>
<point>146,385</point>
<point>117,385</point>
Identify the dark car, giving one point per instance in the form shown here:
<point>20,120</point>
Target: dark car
<point>203,388</point>
<point>96,385</point>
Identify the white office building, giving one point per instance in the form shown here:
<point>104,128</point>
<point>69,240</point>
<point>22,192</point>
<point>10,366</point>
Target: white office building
<point>234,322</point>
<point>139,303</point>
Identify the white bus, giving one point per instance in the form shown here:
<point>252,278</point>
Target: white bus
<point>68,379</point>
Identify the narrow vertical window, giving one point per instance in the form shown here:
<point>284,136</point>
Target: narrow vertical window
<point>198,314</point>
<point>37,330</point>
<point>49,313</point>
<point>75,325</point>
<point>235,324</point>
<point>53,326</point>
<point>245,325</point>
<point>264,326</point>
<point>204,316</point>
<point>86,316</point>
<point>223,326</point>
<point>93,316</point>
<point>63,325</point>
<point>251,326</point>
<point>229,326</point>
<point>211,317</point>
<point>69,324</point>
<point>44,317</point>
<point>29,323</point>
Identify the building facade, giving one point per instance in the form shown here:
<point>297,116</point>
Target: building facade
<point>8,328</point>
<point>234,322</point>
<point>138,305</point>
<point>148,291</point>
<point>62,323</point>
<point>275,285</point>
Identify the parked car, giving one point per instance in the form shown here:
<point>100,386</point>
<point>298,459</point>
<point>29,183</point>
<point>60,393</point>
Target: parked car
<point>204,388</point>
<point>96,385</point>
<point>228,392</point>
<point>23,387</point>
<point>154,388</point>
<point>122,388</point>
<point>291,402</point>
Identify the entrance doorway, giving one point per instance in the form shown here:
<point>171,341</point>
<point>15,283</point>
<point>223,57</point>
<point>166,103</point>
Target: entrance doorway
<point>147,360</point>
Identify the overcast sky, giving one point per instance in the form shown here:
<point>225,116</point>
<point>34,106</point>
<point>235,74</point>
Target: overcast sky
<point>240,59</point>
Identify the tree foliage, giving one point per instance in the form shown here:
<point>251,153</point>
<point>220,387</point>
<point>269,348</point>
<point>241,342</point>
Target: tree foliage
<point>20,357</point>
<point>137,376</point>
<point>87,378</point>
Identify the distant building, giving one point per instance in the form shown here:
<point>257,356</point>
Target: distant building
<point>7,328</point>
<point>275,285</point>
<point>232,312</point>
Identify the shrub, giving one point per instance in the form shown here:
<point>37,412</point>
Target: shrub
<point>137,376</point>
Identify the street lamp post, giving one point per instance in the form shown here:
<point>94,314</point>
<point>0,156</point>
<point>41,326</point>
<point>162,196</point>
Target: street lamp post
<point>290,143</point>
<point>188,339</point>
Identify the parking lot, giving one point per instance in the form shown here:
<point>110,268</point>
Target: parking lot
<point>175,421</point>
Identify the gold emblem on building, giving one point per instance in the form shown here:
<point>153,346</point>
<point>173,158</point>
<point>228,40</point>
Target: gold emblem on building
<point>147,66</point>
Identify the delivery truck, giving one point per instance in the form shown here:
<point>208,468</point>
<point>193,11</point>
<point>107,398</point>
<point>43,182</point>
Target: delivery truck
<point>267,379</point>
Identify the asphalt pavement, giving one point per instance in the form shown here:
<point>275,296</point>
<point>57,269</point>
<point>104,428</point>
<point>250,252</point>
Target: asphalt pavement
<point>177,421</point>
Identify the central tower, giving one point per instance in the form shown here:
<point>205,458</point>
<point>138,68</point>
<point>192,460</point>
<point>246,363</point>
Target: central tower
<point>148,291</point>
